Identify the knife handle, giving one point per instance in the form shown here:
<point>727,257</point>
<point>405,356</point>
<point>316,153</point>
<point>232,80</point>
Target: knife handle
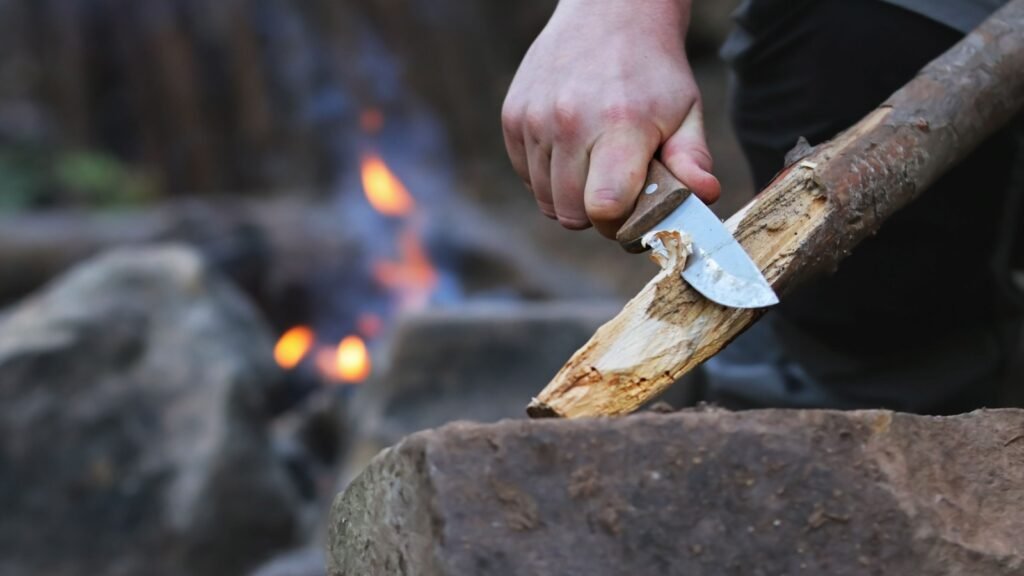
<point>661,194</point>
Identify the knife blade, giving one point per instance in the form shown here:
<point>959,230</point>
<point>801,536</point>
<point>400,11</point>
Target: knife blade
<point>718,267</point>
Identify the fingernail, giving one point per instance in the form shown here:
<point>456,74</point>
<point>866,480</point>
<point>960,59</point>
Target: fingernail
<point>573,223</point>
<point>547,210</point>
<point>605,197</point>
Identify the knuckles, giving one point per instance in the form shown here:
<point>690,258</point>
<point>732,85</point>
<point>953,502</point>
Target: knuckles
<point>512,117</point>
<point>698,153</point>
<point>535,123</point>
<point>567,120</point>
<point>627,112</point>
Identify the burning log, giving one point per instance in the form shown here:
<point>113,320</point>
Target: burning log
<point>809,218</point>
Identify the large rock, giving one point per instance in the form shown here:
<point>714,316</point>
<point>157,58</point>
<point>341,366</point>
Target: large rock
<point>480,362</point>
<point>133,428</point>
<point>715,493</point>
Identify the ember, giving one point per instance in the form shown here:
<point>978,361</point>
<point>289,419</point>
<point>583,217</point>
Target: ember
<point>384,190</point>
<point>412,278</point>
<point>352,360</point>
<point>293,346</point>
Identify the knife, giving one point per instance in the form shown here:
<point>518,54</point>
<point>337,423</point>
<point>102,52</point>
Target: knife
<point>718,268</point>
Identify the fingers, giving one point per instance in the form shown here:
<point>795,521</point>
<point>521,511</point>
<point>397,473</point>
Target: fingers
<point>516,139</point>
<point>515,146</point>
<point>568,177</point>
<point>539,159</point>
<point>618,166</point>
<point>686,155</point>
<point>569,160</point>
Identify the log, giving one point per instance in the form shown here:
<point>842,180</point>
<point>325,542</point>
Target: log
<point>808,219</point>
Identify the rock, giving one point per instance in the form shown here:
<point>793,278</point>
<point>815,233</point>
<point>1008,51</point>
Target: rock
<point>715,492</point>
<point>482,362</point>
<point>310,439</point>
<point>302,562</point>
<point>132,425</point>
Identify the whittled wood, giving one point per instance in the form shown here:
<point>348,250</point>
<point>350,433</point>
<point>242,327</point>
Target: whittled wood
<point>808,219</point>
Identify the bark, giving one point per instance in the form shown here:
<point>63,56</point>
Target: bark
<point>807,220</point>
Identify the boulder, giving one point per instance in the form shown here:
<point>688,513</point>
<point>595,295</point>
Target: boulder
<point>133,424</point>
<point>695,493</point>
<point>481,362</point>
<point>302,562</point>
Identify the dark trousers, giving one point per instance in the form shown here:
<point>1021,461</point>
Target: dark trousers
<point>921,317</point>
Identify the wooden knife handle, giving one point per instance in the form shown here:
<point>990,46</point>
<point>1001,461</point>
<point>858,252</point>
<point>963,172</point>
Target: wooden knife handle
<point>661,194</point>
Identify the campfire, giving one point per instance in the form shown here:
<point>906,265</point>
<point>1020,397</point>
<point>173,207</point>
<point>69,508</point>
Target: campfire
<point>408,277</point>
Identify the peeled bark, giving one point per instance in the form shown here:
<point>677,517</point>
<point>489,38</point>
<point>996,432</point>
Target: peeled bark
<point>807,220</point>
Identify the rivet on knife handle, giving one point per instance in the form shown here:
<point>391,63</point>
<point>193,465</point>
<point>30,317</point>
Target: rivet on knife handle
<point>661,194</point>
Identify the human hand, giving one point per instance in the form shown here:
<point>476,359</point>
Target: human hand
<point>604,86</point>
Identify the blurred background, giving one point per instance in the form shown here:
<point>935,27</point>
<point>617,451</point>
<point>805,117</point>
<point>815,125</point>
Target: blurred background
<point>246,244</point>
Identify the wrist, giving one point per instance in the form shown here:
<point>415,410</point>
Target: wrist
<point>665,20</point>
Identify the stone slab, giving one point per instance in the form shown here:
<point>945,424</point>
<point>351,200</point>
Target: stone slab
<point>695,493</point>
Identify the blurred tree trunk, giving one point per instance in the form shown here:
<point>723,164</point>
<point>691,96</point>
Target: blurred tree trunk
<point>253,94</point>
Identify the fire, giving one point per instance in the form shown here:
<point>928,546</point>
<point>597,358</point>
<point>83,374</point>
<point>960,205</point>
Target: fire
<point>293,346</point>
<point>413,277</point>
<point>349,362</point>
<point>369,325</point>
<point>371,120</point>
<point>384,190</point>
<point>352,360</point>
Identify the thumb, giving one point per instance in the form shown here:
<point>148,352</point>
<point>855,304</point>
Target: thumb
<point>618,166</point>
<point>686,155</point>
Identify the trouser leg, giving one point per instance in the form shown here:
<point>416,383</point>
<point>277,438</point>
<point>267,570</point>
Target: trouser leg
<point>913,320</point>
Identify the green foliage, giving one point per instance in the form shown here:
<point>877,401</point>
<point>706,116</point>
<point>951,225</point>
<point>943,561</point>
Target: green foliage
<point>98,179</point>
<point>22,178</point>
<point>31,176</point>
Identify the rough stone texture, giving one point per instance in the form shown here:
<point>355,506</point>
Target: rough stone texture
<point>471,362</point>
<point>132,426</point>
<point>716,493</point>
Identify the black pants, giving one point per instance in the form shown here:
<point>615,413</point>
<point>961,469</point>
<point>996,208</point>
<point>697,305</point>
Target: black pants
<point>920,317</point>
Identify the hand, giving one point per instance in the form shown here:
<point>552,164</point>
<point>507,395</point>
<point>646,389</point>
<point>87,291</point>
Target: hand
<point>604,86</point>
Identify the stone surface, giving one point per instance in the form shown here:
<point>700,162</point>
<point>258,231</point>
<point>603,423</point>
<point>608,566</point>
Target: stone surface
<point>302,562</point>
<point>716,493</point>
<point>133,427</point>
<point>481,363</point>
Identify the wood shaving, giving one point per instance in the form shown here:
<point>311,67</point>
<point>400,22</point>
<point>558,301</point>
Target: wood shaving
<point>669,248</point>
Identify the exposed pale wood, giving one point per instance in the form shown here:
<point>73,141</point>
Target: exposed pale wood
<point>806,220</point>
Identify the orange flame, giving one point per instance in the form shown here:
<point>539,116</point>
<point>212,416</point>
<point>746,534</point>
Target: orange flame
<point>412,277</point>
<point>384,190</point>
<point>352,360</point>
<point>293,346</point>
<point>349,362</point>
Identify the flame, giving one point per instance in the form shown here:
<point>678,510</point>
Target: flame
<point>369,325</point>
<point>371,120</point>
<point>293,346</point>
<point>413,277</point>
<point>352,360</point>
<point>325,363</point>
<point>384,190</point>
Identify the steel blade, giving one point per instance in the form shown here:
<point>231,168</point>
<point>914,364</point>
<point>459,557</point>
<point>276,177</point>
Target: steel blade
<point>719,268</point>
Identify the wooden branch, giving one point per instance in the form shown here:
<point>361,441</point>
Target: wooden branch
<point>808,219</point>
